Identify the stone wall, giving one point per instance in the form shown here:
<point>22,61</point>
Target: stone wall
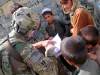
<point>36,5</point>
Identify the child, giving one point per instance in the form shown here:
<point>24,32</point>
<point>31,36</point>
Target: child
<point>79,15</point>
<point>91,36</point>
<point>74,51</point>
<point>55,26</point>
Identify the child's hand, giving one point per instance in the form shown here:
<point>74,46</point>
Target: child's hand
<point>71,30</point>
<point>92,56</point>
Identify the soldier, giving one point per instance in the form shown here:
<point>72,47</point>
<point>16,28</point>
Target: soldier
<point>21,58</point>
<point>24,15</point>
<point>18,56</point>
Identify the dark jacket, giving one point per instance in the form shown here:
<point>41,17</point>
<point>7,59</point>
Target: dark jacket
<point>62,27</point>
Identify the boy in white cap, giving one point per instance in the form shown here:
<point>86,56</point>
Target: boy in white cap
<point>55,25</point>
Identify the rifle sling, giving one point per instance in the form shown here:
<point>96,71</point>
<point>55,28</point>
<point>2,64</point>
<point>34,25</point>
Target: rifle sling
<point>12,51</point>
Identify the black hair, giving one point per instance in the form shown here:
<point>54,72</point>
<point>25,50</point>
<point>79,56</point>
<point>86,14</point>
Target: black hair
<point>90,34</point>
<point>47,12</point>
<point>14,7</point>
<point>74,49</point>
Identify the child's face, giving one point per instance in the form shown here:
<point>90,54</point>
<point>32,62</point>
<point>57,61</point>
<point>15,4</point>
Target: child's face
<point>67,6</point>
<point>49,18</point>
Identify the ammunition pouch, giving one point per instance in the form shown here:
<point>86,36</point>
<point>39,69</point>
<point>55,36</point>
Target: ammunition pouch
<point>18,67</point>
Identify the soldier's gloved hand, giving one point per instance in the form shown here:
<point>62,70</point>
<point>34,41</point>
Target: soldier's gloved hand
<point>53,51</point>
<point>50,51</point>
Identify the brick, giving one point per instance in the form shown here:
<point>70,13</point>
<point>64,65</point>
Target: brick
<point>34,1</point>
<point>3,2</point>
<point>8,17</point>
<point>2,20</point>
<point>6,7</point>
<point>57,10</point>
<point>49,6</point>
<point>22,2</point>
<point>47,2</point>
<point>16,1</point>
<point>38,8</point>
<point>40,1</point>
<point>58,3</point>
<point>6,32</point>
<point>29,4</point>
<point>2,34</point>
<point>1,28</point>
<point>6,25</point>
<point>1,12</point>
<point>52,6</point>
<point>61,15</point>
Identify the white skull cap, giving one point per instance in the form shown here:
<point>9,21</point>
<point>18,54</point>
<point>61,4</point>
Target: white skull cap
<point>46,9</point>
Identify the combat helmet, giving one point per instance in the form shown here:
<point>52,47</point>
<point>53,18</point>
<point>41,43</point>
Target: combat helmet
<point>24,19</point>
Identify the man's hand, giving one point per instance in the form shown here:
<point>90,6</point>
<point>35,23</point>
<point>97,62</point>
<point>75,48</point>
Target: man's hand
<point>47,42</point>
<point>92,56</point>
<point>43,43</point>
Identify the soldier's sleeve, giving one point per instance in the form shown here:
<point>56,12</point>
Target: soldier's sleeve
<point>37,62</point>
